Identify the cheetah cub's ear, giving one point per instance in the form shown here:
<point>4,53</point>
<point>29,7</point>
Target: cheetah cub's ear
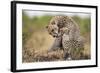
<point>64,30</point>
<point>46,26</point>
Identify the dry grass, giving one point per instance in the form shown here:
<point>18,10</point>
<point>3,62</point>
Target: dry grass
<point>35,50</point>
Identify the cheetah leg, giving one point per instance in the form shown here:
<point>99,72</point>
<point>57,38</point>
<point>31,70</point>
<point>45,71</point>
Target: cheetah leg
<point>56,45</point>
<point>67,55</point>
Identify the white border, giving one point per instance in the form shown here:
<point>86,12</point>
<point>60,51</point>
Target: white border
<point>21,65</point>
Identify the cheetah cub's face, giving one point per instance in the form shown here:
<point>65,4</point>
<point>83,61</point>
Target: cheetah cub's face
<point>53,30</point>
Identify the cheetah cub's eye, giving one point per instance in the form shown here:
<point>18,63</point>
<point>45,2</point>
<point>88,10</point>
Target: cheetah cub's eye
<point>53,23</point>
<point>52,30</point>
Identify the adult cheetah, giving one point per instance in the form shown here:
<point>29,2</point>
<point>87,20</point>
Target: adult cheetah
<point>65,28</point>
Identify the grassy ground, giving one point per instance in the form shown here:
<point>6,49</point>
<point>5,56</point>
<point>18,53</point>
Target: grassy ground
<point>35,49</point>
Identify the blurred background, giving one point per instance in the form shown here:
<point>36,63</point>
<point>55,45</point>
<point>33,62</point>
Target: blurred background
<point>36,40</point>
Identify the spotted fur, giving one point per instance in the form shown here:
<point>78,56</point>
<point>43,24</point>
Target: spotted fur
<point>69,31</point>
